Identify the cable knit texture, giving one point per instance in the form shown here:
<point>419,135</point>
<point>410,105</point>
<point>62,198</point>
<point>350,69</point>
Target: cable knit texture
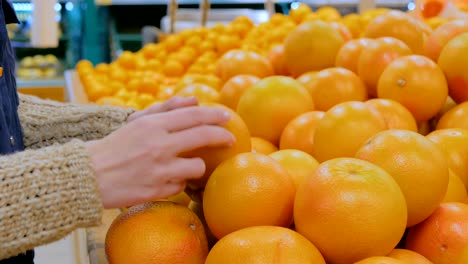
<point>50,189</point>
<point>47,122</point>
<point>46,194</point>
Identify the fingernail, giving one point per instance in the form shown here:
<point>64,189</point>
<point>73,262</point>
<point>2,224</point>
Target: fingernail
<point>227,114</point>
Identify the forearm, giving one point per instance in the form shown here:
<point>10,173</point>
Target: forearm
<point>44,195</point>
<point>46,122</point>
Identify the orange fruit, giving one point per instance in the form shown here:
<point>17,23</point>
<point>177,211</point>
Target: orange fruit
<point>398,24</point>
<point>110,100</point>
<point>298,163</point>
<point>173,68</point>
<point>456,117</point>
<point>348,55</point>
<point>225,43</point>
<point>209,80</point>
<point>249,189</point>
<point>173,42</point>
<point>165,93</point>
<point>346,200</point>
<point>408,256</point>
<point>299,132</point>
<point>237,62</point>
<point>312,46</point>
<point>332,86</point>
<point>268,106</point>
<point>276,58</point>
<point>416,163</point>
<point>396,116</point>
<point>262,146</point>
<point>430,8</point>
<point>328,13</point>
<point>95,90</point>
<point>434,23</point>
<point>442,35</point>
<point>125,94</point>
<point>299,13</point>
<point>417,83</point>
<point>424,128</point>
<point>147,85</point>
<point>264,244</point>
<point>213,156</point>
<point>102,68</point>
<point>161,232</point>
<point>449,104</point>
<point>375,57</point>
<point>234,88</point>
<point>181,198</point>
<point>380,260</point>
<point>454,143</point>
<point>204,93</point>
<point>197,208</point>
<point>453,60</point>
<point>307,79</point>
<point>150,50</point>
<point>343,30</point>
<point>443,236</point>
<point>83,65</point>
<point>456,190</point>
<point>119,74</point>
<point>353,23</point>
<point>127,60</point>
<point>463,257</point>
<point>344,128</point>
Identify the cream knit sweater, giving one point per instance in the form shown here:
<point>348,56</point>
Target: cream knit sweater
<point>49,189</point>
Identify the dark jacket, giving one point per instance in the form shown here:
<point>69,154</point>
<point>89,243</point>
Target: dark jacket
<point>11,138</point>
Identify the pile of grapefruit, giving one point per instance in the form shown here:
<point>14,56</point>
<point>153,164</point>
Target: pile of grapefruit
<point>161,70</point>
<point>350,147</point>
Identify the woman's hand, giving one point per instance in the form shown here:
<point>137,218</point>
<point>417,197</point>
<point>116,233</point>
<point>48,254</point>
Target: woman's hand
<point>171,104</point>
<point>139,162</point>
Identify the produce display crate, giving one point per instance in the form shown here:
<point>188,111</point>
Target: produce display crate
<point>53,89</point>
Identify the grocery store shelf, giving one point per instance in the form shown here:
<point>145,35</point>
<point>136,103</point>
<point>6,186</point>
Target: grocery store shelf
<point>38,83</point>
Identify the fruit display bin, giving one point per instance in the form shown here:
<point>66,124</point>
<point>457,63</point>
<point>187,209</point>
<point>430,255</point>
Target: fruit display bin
<point>74,91</point>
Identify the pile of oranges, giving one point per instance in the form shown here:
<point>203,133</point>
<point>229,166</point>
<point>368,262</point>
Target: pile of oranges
<point>153,74</point>
<point>351,141</point>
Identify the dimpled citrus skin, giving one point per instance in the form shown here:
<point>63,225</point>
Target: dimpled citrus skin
<point>248,189</point>
<point>264,244</point>
<point>416,163</point>
<point>347,201</point>
<point>268,106</point>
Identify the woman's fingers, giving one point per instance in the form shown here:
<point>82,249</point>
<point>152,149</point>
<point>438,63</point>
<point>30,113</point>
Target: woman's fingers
<point>169,190</point>
<point>171,104</point>
<point>181,169</point>
<point>189,117</point>
<point>201,136</point>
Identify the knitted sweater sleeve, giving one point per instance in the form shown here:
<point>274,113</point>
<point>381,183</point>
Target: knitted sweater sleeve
<point>47,122</point>
<point>46,194</point>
